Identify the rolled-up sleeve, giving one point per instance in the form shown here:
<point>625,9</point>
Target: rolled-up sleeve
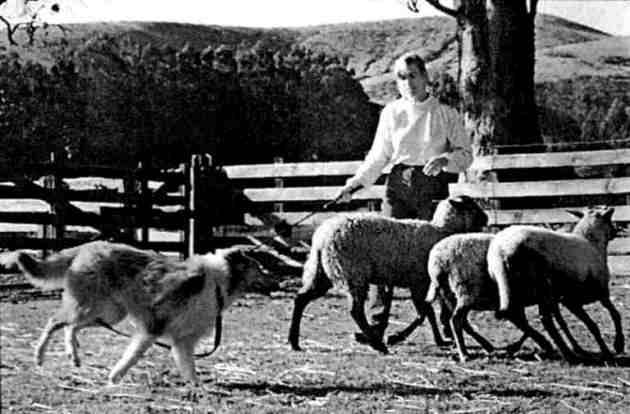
<point>379,155</point>
<point>460,151</point>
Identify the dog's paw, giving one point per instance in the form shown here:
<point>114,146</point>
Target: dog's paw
<point>114,378</point>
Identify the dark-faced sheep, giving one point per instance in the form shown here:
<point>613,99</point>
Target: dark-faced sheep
<point>361,249</point>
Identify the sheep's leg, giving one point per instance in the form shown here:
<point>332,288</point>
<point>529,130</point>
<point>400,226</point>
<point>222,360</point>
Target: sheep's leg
<point>578,311</point>
<point>446,312</point>
<point>575,309</point>
<point>379,304</point>
<point>546,311</point>
<point>483,342</point>
<point>307,294</point>
<point>518,318</point>
<point>457,324</point>
<point>516,345</point>
<point>403,334</point>
<point>447,306</point>
<point>614,314</point>
<point>439,341</point>
<point>425,309</point>
<point>356,297</point>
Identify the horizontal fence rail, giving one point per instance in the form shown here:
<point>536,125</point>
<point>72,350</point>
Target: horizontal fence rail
<point>294,200</point>
<point>144,201</point>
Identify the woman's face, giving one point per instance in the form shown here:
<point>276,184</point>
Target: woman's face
<point>412,83</point>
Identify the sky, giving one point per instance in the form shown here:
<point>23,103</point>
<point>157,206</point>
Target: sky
<point>612,16</point>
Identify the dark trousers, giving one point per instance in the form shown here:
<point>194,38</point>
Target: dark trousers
<point>409,193</point>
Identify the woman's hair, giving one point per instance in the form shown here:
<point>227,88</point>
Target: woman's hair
<point>411,58</point>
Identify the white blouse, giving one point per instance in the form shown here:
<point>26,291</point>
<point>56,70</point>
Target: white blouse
<point>411,133</point>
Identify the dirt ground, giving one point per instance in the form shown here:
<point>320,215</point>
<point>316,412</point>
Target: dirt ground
<point>254,371</point>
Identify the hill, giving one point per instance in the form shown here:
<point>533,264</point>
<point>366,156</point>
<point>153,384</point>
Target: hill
<point>565,49</point>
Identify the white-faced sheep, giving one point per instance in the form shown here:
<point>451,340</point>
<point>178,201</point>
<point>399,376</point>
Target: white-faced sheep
<point>537,266</point>
<point>361,249</point>
<point>458,271</point>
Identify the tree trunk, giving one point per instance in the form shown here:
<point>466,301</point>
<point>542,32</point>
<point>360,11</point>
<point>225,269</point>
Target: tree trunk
<point>496,74</point>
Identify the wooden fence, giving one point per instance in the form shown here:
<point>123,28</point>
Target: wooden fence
<point>528,190</point>
<point>130,204</point>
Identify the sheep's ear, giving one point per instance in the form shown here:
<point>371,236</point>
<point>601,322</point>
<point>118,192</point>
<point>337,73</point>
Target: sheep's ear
<point>608,213</point>
<point>576,213</point>
<point>458,200</point>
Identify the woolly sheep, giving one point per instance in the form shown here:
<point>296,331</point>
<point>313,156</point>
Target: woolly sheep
<point>533,265</point>
<point>357,250</point>
<point>458,271</point>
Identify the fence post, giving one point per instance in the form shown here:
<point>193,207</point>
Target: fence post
<point>278,183</point>
<point>145,204</point>
<point>185,190</point>
<point>130,188</point>
<point>54,183</point>
<point>194,172</point>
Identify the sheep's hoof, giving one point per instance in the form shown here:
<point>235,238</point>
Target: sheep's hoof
<point>513,348</point>
<point>619,344</point>
<point>444,344</point>
<point>608,357</point>
<point>394,339</point>
<point>447,333</point>
<point>362,338</point>
<point>295,346</point>
<point>380,347</point>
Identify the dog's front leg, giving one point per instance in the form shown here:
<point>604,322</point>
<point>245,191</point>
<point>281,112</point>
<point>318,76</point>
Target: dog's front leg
<point>182,351</point>
<point>138,345</point>
<point>52,325</point>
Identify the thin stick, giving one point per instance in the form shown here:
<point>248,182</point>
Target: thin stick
<point>606,384</point>
<point>67,387</point>
<point>476,371</point>
<point>86,380</point>
<point>170,407</point>
<point>563,402</point>
<point>137,396</point>
<point>42,406</point>
<point>409,406</point>
<point>623,381</point>
<point>580,388</point>
<point>409,384</point>
<point>471,410</point>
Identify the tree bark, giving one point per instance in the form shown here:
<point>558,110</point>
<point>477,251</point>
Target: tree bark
<point>496,74</point>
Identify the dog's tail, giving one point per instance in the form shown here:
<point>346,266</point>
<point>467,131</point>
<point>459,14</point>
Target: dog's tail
<point>46,274</point>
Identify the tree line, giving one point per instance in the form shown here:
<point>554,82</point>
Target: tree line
<point>113,101</point>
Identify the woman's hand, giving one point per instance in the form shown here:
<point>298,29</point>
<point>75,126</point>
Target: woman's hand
<point>435,165</point>
<point>345,194</point>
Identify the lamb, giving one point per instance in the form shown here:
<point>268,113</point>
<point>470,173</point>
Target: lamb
<point>545,267</point>
<point>361,249</point>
